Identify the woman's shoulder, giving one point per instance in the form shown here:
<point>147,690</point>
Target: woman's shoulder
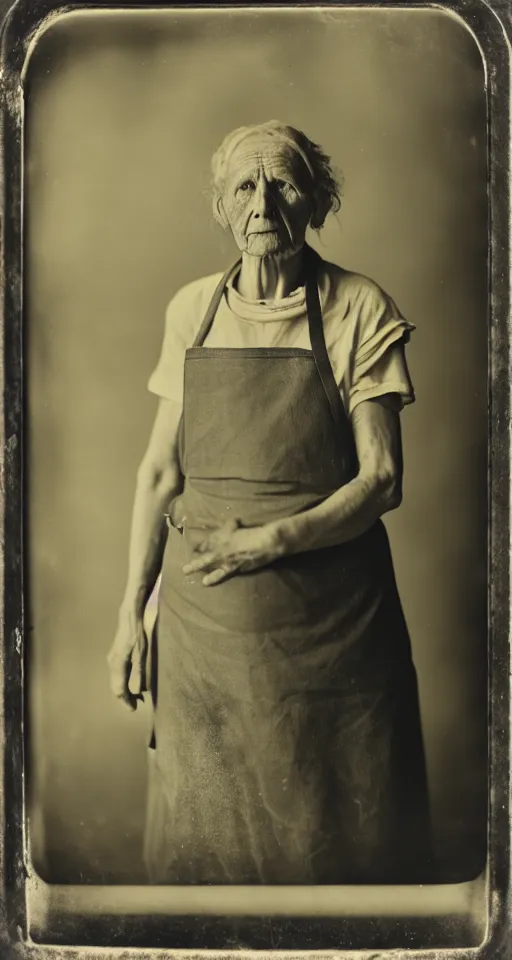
<point>353,289</point>
<point>357,307</point>
<point>193,293</point>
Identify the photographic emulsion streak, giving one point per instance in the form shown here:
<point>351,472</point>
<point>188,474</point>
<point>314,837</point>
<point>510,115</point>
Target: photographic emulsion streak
<point>256,474</point>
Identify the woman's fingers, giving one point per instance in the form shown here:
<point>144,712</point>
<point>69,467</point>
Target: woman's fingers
<point>215,569</point>
<point>211,555</point>
<point>130,700</point>
<point>137,677</point>
<point>219,538</point>
<point>218,575</point>
<point>120,665</point>
<point>119,671</point>
<point>203,547</point>
<point>127,660</point>
<point>201,563</point>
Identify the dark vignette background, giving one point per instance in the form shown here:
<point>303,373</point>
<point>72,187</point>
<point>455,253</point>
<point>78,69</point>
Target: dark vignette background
<point>123,113</point>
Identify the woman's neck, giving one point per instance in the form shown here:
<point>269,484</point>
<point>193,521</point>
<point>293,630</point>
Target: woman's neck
<point>269,278</point>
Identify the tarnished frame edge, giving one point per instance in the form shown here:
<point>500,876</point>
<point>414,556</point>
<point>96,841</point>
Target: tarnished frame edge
<point>491,24</point>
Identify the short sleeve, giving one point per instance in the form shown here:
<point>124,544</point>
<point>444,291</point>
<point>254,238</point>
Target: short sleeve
<point>379,365</point>
<point>182,319</point>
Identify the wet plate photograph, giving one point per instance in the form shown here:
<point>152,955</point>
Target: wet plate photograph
<point>256,482</point>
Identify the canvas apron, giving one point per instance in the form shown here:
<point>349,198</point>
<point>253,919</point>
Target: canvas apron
<point>287,730</point>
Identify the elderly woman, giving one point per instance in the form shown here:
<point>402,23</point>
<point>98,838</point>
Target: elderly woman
<point>287,737</point>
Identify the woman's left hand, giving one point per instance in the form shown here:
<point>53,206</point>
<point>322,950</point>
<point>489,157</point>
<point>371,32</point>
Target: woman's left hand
<point>233,549</point>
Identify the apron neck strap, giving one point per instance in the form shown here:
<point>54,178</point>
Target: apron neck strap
<point>317,337</point>
<point>204,329</point>
<point>312,262</point>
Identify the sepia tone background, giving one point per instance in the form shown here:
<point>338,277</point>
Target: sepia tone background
<point>123,113</point>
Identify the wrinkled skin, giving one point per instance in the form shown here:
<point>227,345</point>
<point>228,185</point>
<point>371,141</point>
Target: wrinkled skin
<point>267,205</point>
<point>233,549</point>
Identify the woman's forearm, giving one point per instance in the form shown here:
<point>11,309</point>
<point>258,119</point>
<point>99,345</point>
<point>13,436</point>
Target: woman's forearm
<point>355,507</point>
<point>153,494</point>
<point>345,515</point>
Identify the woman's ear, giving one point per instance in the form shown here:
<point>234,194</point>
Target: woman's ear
<point>321,207</point>
<point>218,211</point>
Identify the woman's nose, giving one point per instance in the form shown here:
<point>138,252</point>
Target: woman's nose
<point>263,205</point>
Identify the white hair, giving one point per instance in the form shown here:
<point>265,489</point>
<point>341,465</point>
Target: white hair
<point>325,185</point>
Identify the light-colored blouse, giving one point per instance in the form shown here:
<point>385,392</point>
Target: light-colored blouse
<point>365,333</point>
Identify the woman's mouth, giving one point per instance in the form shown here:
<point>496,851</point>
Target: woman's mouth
<point>262,231</point>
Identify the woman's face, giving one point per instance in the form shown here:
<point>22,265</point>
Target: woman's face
<point>266,198</point>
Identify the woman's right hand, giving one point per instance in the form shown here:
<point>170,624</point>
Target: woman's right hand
<point>127,660</point>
